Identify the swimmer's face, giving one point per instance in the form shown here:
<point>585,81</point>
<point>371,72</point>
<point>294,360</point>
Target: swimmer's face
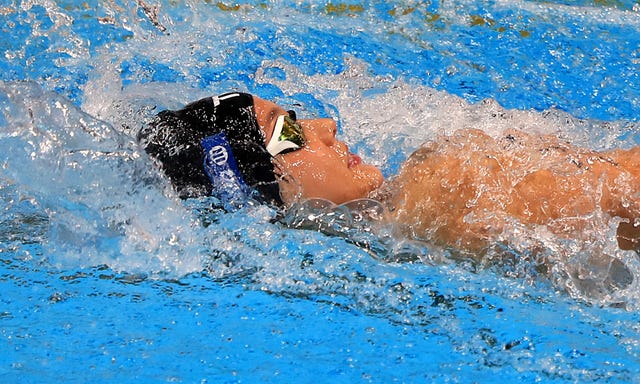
<point>323,167</point>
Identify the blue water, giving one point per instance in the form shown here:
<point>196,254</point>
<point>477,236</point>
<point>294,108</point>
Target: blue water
<point>107,277</point>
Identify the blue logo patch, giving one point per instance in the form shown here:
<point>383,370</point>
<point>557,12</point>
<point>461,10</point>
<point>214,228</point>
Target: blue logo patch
<point>222,169</point>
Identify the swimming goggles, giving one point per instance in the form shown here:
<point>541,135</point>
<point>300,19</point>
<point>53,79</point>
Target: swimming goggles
<point>287,135</point>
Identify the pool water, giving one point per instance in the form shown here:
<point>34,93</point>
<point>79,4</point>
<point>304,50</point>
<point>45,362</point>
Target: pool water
<point>107,277</point>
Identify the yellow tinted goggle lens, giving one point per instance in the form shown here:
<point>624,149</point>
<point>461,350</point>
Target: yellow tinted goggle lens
<point>292,131</point>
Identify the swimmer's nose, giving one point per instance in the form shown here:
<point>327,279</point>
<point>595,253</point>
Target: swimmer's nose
<point>325,129</point>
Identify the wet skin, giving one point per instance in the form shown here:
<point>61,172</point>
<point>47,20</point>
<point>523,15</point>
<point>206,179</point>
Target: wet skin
<point>464,189</point>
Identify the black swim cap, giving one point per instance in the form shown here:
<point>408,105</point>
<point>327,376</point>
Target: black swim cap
<point>174,138</point>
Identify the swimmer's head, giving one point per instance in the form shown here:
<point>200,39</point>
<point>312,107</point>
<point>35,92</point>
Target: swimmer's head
<point>175,138</point>
<point>283,158</point>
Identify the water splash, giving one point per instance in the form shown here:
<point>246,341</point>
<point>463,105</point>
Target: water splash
<point>103,201</point>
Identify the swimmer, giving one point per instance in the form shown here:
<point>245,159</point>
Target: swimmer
<point>459,191</point>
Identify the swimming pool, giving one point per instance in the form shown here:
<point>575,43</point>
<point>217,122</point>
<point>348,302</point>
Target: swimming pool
<point>105,278</point>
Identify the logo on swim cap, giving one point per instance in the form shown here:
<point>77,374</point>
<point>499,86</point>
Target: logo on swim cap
<point>218,155</point>
<point>217,99</point>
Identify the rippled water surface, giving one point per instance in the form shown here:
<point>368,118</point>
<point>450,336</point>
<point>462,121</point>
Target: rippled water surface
<point>107,276</point>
